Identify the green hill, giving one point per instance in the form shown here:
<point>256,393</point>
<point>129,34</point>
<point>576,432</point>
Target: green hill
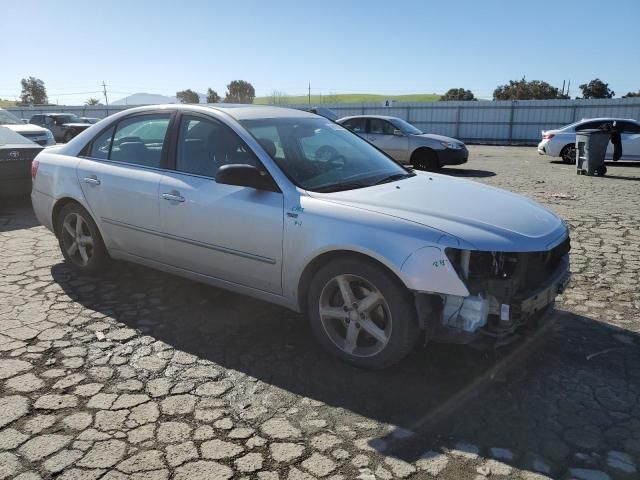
<point>349,98</point>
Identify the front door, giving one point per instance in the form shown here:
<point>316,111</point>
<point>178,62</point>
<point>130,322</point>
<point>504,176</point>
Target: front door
<point>381,134</point>
<point>223,231</point>
<point>120,178</point>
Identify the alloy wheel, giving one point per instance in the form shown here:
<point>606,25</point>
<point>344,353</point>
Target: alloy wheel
<point>355,315</point>
<point>569,154</point>
<point>77,240</point>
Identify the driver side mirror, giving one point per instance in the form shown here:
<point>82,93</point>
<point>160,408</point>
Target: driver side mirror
<point>246,176</point>
<point>397,132</point>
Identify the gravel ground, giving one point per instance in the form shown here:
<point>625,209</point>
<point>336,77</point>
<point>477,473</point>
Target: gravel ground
<point>138,374</point>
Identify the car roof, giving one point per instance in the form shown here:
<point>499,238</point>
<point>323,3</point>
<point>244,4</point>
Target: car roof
<point>606,119</point>
<point>381,117</point>
<point>236,111</point>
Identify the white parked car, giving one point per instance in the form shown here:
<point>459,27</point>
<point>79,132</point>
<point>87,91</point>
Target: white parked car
<point>246,198</point>
<point>39,135</point>
<point>561,142</point>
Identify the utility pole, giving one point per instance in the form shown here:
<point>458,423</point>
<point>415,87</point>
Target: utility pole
<point>104,89</point>
<point>309,93</point>
<point>563,87</point>
<point>568,85</point>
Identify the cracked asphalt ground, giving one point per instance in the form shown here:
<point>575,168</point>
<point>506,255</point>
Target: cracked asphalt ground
<point>139,374</point>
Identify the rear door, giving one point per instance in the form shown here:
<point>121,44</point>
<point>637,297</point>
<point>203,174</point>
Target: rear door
<point>120,177</point>
<point>381,134</point>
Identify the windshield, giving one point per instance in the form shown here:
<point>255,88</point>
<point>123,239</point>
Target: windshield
<point>322,156</point>
<point>405,127</point>
<point>8,118</point>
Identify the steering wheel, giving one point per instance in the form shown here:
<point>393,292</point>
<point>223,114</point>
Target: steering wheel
<point>330,155</point>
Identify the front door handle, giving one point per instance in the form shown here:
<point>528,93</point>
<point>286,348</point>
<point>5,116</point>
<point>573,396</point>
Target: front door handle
<point>92,180</point>
<point>173,197</point>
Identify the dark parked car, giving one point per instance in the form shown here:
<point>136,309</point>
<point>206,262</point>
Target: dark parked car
<point>64,126</point>
<point>16,155</point>
<point>90,120</point>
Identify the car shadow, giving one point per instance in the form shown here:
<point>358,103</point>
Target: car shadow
<point>16,213</point>
<point>466,172</point>
<point>573,387</point>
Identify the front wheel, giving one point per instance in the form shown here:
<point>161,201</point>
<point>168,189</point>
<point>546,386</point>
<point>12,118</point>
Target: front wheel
<point>80,240</point>
<point>362,314</point>
<point>68,136</point>
<point>425,159</point>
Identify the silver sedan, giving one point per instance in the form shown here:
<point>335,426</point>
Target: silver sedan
<point>405,143</point>
<point>294,209</point>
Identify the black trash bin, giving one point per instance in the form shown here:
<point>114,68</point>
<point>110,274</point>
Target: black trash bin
<point>591,148</point>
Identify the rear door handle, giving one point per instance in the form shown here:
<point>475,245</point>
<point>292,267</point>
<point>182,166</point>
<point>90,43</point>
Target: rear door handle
<point>173,197</point>
<point>92,180</point>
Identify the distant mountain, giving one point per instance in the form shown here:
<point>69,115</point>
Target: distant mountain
<point>151,99</point>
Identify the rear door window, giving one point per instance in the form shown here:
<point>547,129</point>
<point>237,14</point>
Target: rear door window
<point>139,140</point>
<point>356,125</point>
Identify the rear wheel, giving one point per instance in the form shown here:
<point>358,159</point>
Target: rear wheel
<point>568,154</point>
<point>80,240</point>
<point>362,314</point>
<point>425,159</point>
<point>68,136</point>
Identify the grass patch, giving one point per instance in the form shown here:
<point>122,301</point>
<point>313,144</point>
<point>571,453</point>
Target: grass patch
<point>7,103</point>
<point>350,98</point>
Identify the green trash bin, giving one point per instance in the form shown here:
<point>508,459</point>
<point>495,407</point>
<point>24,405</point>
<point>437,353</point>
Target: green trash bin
<point>591,148</point>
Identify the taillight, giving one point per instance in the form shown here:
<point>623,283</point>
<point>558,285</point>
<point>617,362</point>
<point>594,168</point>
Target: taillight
<point>548,136</point>
<point>34,169</point>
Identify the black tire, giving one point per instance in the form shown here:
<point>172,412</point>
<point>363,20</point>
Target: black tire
<point>602,170</point>
<point>568,154</point>
<point>96,252</point>
<point>68,136</point>
<point>425,159</point>
<point>402,320</point>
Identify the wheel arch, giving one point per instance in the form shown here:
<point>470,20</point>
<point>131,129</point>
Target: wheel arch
<point>60,204</point>
<point>421,150</point>
<point>322,259</point>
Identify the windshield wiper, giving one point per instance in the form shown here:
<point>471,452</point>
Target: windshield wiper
<point>338,187</point>
<point>394,177</point>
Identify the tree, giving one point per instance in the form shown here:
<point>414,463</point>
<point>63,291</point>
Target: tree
<point>279,98</point>
<point>632,94</point>
<point>527,90</point>
<point>92,101</point>
<point>596,88</point>
<point>240,91</point>
<point>458,94</point>
<point>33,92</point>
<point>188,96</point>
<point>212,96</point>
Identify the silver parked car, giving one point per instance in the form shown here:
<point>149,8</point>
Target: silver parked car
<point>294,209</point>
<point>405,143</point>
<point>561,142</point>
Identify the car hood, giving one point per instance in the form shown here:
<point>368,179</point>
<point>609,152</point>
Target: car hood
<point>437,138</point>
<point>26,128</point>
<point>482,217</point>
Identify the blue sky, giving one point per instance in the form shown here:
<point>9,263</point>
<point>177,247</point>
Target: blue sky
<point>341,46</point>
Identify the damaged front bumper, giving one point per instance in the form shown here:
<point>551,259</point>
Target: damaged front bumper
<point>509,292</point>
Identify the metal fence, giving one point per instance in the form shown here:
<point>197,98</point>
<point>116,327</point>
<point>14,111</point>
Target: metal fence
<point>517,122</point>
